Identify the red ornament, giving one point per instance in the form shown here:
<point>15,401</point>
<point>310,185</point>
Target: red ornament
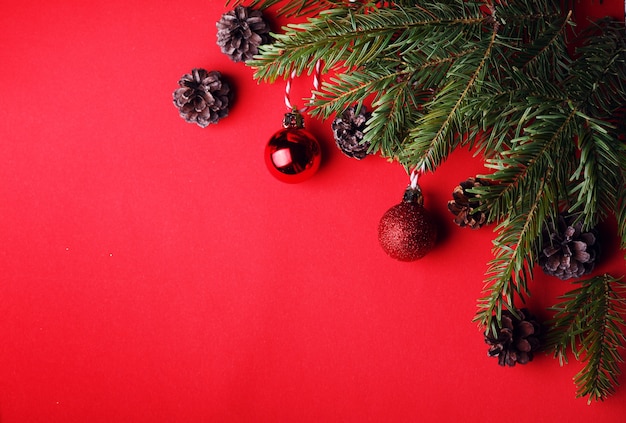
<point>407,231</point>
<point>293,154</point>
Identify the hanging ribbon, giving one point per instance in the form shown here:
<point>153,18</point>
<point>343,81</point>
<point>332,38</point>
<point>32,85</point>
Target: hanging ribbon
<point>316,86</point>
<point>414,176</point>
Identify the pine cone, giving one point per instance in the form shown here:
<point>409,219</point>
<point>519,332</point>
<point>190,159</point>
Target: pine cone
<point>203,97</point>
<point>241,31</point>
<point>517,339</point>
<point>348,132</point>
<point>464,204</point>
<point>568,252</point>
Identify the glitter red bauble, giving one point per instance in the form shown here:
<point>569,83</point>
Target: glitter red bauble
<point>293,154</point>
<point>407,231</point>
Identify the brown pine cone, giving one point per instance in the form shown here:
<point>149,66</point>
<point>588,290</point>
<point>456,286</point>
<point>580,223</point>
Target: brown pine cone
<point>464,204</point>
<point>517,339</point>
<point>348,132</point>
<point>568,252</point>
<point>203,97</point>
<point>240,32</point>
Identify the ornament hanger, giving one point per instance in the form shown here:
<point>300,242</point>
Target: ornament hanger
<point>415,173</point>
<point>316,86</point>
<point>414,177</point>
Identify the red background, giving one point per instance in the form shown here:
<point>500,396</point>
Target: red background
<point>153,271</point>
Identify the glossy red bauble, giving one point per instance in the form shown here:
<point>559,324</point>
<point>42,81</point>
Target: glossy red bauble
<point>293,154</point>
<point>407,231</point>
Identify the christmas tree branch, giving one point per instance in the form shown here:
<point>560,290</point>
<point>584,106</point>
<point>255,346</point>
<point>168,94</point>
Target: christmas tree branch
<point>355,87</point>
<point>598,84</point>
<point>589,321</point>
<point>292,7</point>
<point>621,218</point>
<point>524,82</point>
<point>348,40</point>
<point>597,185</point>
<point>542,53</point>
<point>527,168</point>
<point>370,82</point>
<point>512,265</point>
<point>435,135</point>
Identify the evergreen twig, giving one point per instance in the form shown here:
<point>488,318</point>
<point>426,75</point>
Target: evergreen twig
<point>511,269</point>
<point>292,7</point>
<point>589,321</point>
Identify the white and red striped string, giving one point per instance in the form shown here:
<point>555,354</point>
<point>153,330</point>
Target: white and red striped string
<point>316,86</point>
<point>415,174</point>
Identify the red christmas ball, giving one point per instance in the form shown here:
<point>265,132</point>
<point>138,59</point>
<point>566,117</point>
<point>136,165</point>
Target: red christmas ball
<point>293,154</point>
<point>407,231</point>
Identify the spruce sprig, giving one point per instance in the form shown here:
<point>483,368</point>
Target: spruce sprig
<point>346,40</point>
<point>512,267</point>
<point>597,84</point>
<point>292,8</point>
<point>589,321</point>
<point>306,7</point>
<point>542,170</point>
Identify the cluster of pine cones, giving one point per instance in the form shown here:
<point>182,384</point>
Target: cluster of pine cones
<point>204,97</point>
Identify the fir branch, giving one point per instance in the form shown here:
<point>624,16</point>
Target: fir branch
<point>528,62</point>
<point>545,54</point>
<point>621,215</point>
<point>598,85</point>
<point>502,113</point>
<point>598,76</point>
<point>345,89</point>
<point>511,268</point>
<point>589,321</point>
<point>525,20</point>
<point>386,128</point>
<point>292,7</point>
<point>596,174</point>
<point>435,135</point>
<point>373,79</point>
<point>525,170</point>
<point>346,40</point>
<point>527,193</point>
<point>597,178</point>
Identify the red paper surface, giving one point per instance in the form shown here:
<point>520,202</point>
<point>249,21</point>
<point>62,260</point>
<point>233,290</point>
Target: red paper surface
<point>153,271</point>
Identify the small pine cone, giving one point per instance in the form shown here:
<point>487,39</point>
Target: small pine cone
<point>240,32</point>
<point>517,339</point>
<point>464,204</point>
<point>568,252</point>
<point>203,97</point>
<point>348,132</point>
